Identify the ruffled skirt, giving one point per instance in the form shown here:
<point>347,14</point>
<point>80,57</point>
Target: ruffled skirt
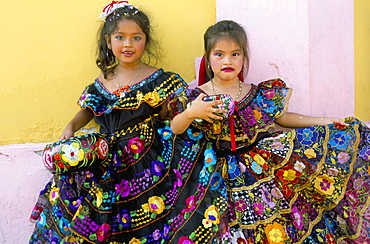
<point>307,185</point>
<point>153,188</point>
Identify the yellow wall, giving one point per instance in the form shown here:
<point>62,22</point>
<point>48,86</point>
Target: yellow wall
<point>48,56</point>
<point>362,59</point>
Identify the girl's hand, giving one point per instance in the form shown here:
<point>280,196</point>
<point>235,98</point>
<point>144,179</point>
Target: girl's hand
<point>332,120</point>
<point>81,119</point>
<point>200,109</point>
<point>67,133</point>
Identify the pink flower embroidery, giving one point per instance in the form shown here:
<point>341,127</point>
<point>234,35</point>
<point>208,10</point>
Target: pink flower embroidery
<point>343,157</point>
<point>297,218</point>
<point>259,208</point>
<point>185,240</point>
<point>48,160</point>
<point>136,145</point>
<point>269,93</point>
<point>190,204</point>
<point>103,232</point>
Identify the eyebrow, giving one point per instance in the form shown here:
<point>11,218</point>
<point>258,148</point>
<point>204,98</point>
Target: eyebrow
<point>136,33</point>
<point>219,50</point>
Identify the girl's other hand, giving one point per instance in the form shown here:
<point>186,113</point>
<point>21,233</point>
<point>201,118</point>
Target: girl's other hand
<point>67,133</point>
<point>200,109</point>
<point>333,120</point>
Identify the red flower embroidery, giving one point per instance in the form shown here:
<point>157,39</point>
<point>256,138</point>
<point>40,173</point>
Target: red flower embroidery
<point>277,82</point>
<point>288,175</point>
<point>136,145</point>
<point>102,148</point>
<point>339,126</point>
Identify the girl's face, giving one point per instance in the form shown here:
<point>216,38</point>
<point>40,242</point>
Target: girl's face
<point>226,60</point>
<point>127,42</point>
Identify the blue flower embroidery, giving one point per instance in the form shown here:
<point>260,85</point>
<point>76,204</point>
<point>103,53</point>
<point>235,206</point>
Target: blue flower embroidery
<point>210,157</point>
<point>194,133</point>
<point>64,226</point>
<point>234,170</point>
<point>165,232</point>
<point>216,181</point>
<point>339,140</point>
<point>165,132</point>
<point>256,167</point>
<point>330,223</point>
<point>157,167</point>
<point>307,136</point>
<point>42,220</point>
<point>125,218</point>
<point>267,105</point>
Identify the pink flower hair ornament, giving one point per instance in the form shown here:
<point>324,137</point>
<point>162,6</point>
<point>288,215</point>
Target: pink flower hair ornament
<point>111,7</point>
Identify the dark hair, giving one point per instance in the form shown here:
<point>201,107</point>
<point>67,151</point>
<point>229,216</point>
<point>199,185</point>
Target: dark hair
<point>106,61</point>
<point>225,29</point>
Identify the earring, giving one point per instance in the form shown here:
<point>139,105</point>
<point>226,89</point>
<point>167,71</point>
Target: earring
<point>108,57</point>
<point>209,67</point>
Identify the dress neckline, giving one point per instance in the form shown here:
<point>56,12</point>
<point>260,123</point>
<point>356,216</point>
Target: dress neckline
<point>250,93</point>
<point>112,95</point>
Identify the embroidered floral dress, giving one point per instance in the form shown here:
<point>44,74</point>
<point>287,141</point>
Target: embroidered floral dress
<point>307,185</point>
<point>153,188</point>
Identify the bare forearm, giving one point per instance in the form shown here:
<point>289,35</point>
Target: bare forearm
<point>81,119</point>
<point>294,120</point>
<point>181,122</point>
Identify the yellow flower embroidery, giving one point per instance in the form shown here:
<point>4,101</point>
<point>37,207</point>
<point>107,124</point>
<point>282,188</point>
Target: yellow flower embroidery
<point>71,239</point>
<point>206,223</point>
<point>310,153</point>
<point>145,207</point>
<point>156,205</point>
<point>212,215</point>
<point>135,241</point>
<point>324,184</point>
<point>152,98</point>
<point>290,174</point>
<point>139,96</point>
<point>260,160</point>
<point>275,233</point>
<point>257,114</point>
<point>54,195</point>
<point>72,153</point>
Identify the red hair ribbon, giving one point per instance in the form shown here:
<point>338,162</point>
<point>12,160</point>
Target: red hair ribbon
<point>202,74</point>
<point>241,76</point>
<point>107,9</point>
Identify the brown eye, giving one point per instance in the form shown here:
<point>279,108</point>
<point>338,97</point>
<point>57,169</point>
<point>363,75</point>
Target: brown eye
<point>137,38</point>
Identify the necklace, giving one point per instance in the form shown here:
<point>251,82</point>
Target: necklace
<point>124,86</point>
<point>237,96</point>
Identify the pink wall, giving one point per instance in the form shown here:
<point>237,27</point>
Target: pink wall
<point>309,44</point>
<point>22,176</point>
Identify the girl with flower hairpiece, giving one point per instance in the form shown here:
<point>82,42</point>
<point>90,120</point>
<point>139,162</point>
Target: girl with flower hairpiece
<point>138,189</point>
<point>304,185</point>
